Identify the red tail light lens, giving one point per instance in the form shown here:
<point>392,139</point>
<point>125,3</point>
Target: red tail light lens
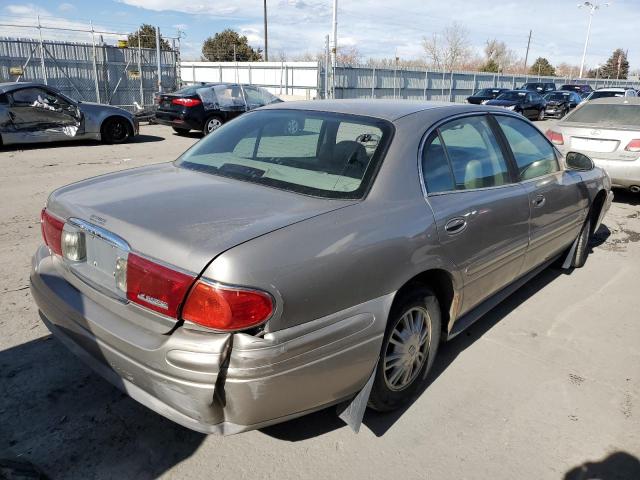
<point>634,146</point>
<point>186,102</point>
<point>555,137</point>
<point>225,308</point>
<point>51,231</point>
<point>156,287</point>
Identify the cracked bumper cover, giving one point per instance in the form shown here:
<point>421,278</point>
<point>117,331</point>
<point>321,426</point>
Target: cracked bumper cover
<point>210,382</point>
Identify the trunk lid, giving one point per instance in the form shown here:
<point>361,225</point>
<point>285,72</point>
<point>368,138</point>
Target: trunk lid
<point>598,140</point>
<point>183,217</point>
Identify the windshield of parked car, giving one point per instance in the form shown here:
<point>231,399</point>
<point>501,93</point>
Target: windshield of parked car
<point>487,92</point>
<point>316,153</point>
<point>557,96</point>
<point>606,114</point>
<point>609,94</point>
<point>532,86</point>
<point>514,96</point>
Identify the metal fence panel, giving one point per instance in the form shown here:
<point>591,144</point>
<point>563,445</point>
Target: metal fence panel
<point>120,76</point>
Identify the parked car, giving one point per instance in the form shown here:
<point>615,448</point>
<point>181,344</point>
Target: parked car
<point>612,92</point>
<point>540,87</point>
<point>559,103</point>
<point>207,107</point>
<point>298,252</point>
<point>608,130</point>
<point>32,113</point>
<point>485,95</point>
<point>582,89</point>
<point>527,103</point>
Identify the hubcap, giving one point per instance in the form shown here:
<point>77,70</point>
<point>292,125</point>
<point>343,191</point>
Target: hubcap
<point>213,124</point>
<point>407,349</point>
<point>118,131</point>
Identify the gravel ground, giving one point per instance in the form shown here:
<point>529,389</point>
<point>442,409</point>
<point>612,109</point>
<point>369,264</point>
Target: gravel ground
<point>547,386</point>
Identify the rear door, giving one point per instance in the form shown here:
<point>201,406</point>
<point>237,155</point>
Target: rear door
<point>481,214</point>
<point>558,200</point>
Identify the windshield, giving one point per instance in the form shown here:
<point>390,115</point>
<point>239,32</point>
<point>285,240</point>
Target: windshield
<point>487,92</point>
<point>532,86</point>
<point>609,94</point>
<point>606,114</point>
<point>514,96</point>
<point>557,96</point>
<point>316,153</point>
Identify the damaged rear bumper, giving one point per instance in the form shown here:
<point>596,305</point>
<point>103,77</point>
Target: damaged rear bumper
<point>208,382</point>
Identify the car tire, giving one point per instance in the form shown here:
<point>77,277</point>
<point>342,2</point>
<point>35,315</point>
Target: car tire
<point>115,130</point>
<point>580,255</point>
<point>410,344</point>
<point>540,116</point>
<point>181,131</point>
<point>210,124</point>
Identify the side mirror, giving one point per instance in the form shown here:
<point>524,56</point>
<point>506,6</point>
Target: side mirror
<point>579,161</point>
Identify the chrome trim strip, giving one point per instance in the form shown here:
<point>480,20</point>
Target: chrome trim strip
<point>100,232</point>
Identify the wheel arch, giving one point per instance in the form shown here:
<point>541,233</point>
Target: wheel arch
<point>596,208</point>
<point>118,116</point>
<point>442,283</point>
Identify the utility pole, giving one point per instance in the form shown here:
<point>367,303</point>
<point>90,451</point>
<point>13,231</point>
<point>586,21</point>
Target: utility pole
<point>326,67</point>
<point>526,57</point>
<point>592,6</point>
<point>266,45</point>
<point>159,60</point>
<point>334,52</point>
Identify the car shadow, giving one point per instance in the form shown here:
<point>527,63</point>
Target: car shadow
<point>616,466</point>
<point>326,420</point>
<point>625,196</point>
<point>70,423</point>
<point>74,143</point>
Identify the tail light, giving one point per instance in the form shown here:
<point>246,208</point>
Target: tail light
<point>555,137</point>
<point>51,231</point>
<point>634,146</point>
<point>226,308</point>
<point>155,286</point>
<point>186,102</point>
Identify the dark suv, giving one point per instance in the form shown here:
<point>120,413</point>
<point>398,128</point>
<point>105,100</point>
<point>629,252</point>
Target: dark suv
<point>206,107</point>
<point>540,87</point>
<point>581,89</point>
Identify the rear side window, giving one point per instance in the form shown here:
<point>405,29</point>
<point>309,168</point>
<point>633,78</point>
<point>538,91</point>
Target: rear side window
<point>534,155</point>
<point>3,99</point>
<point>472,154</point>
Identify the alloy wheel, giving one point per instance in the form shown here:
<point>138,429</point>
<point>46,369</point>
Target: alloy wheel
<point>407,349</point>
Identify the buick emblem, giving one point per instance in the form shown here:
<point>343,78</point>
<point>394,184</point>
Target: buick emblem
<point>97,219</point>
<point>595,132</point>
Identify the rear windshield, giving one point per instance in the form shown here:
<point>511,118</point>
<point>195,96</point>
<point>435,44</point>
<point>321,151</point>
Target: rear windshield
<point>487,92</point>
<point>188,90</point>
<point>595,95</point>
<point>315,153</point>
<point>603,114</point>
<point>512,96</point>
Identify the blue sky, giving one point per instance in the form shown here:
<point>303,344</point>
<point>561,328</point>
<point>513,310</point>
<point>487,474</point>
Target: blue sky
<point>377,27</point>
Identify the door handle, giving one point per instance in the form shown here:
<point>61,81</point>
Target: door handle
<point>455,225</point>
<point>539,201</point>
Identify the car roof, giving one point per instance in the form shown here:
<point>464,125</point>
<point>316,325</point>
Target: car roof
<point>384,109</point>
<point>10,86</point>
<point>614,89</point>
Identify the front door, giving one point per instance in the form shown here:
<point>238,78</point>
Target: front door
<point>481,214</point>
<point>39,114</point>
<point>557,198</point>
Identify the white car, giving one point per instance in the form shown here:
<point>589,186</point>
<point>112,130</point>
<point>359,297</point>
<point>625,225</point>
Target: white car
<point>612,92</point>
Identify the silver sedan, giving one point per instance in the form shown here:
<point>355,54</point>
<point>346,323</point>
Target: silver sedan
<point>34,113</point>
<point>307,254</point>
<point>607,130</point>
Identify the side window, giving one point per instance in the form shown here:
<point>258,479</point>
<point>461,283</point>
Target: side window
<point>29,96</point>
<point>258,97</point>
<point>534,156</point>
<point>435,166</point>
<point>475,156</point>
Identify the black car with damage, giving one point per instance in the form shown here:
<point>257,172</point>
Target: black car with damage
<point>485,94</point>
<point>559,103</point>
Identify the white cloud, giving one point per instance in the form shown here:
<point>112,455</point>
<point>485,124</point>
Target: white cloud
<point>66,7</point>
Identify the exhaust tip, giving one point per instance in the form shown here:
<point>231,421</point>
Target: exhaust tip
<point>635,188</point>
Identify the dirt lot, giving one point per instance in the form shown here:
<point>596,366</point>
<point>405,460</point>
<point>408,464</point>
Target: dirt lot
<point>545,384</point>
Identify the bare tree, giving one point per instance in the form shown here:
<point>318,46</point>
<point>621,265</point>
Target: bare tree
<point>349,56</point>
<point>448,49</point>
<point>497,53</point>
